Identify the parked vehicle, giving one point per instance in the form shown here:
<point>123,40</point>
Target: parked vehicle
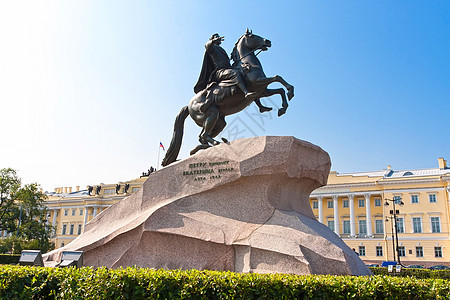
<point>415,267</point>
<point>385,264</point>
<point>439,267</point>
<point>372,265</point>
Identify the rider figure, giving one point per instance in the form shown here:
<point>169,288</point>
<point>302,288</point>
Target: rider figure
<point>222,71</point>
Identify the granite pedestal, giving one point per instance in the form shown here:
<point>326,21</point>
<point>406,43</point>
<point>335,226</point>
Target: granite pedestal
<point>241,206</point>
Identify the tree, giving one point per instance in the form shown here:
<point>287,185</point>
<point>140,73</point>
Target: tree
<point>9,185</point>
<point>23,213</point>
<point>33,223</point>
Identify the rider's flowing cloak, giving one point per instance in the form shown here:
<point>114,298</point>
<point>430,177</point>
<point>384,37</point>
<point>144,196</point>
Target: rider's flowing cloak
<point>205,74</point>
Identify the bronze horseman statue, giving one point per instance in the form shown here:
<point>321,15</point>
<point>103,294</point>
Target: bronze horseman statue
<point>224,89</point>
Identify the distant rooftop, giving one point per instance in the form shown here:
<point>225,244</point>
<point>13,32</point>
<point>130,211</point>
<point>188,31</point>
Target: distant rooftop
<point>400,174</point>
<point>389,173</point>
<point>68,195</point>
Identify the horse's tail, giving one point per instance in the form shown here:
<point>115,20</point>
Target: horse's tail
<point>177,137</point>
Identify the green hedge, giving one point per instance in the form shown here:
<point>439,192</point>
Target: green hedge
<point>137,283</point>
<point>8,259</point>
<point>418,273</point>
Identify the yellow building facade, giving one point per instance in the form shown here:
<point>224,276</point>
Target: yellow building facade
<point>353,205</point>
<point>71,210</point>
<point>359,208</point>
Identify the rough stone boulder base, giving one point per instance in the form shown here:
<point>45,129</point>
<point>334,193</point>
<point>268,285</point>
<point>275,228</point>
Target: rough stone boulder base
<point>242,206</point>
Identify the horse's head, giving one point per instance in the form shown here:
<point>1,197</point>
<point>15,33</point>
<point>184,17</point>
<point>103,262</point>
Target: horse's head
<point>254,42</point>
<point>248,43</point>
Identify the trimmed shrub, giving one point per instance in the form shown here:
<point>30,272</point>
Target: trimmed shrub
<point>418,273</point>
<point>14,244</point>
<point>138,283</point>
<point>8,259</point>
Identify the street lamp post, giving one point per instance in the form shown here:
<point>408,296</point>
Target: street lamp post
<point>394,214</point>
<point>392,234</point>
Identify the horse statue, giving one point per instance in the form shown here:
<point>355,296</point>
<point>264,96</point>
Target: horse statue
<point>228,99</point>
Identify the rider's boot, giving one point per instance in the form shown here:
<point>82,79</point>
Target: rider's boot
<point>241,85</point>
<point>250,95</point>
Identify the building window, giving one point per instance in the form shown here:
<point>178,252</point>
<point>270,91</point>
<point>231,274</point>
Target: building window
<point>362,250</point>
<point>79,228</point>
<point>81,211</point>
<point>432,198</point>
<point>379,250</point>
<point>361,202</point>
<point>377,202</point>
<point>62,244</point>
<point>73,212</point>
<point>66,212</point>
<point>435,224</point>
<point>401,251</point>
<point>437,251</point>
<point>71,229</point>
<point>346,227</point>
<point>379,226</point>
<point>400,225</point>
<point>397,199</point>
<point>64,229</point>
<point>419,251</point>
<point>362,227</point>
<point>417,225</point>
<point>315,204</point>
<point>135,189</point>
<point>330,203</point>
<point>345,203</point>
<point>414,198</point>
<point>330,225</point>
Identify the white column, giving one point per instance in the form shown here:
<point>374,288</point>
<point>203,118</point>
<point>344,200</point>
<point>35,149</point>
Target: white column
<point>320,200</point>
<point>336,214</point>
<point>95,211</point>
<point>351,205</point>
<point>368,215</point>
<point>86,210</point>
<point>54,216</point>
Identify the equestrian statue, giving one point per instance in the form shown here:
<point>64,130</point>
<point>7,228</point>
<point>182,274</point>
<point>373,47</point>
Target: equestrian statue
<point>224,89</point>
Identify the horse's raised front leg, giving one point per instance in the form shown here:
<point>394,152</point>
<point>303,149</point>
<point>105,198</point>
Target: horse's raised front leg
<point>261,107</point>
<point>289,87</point>
<point>277,78</point>
<point>280,91</point>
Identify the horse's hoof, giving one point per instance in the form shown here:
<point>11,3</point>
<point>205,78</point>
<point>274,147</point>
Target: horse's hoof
<point>225,140</point>
<point>290,93</point>
<point>281,111</point>
<point>264,109</point>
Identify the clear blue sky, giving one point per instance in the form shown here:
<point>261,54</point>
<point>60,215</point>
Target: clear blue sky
<point>89,88</point>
